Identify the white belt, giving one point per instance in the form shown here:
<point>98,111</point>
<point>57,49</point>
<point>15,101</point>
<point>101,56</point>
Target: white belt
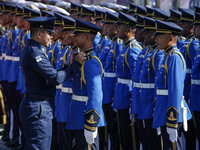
<point>162,92</point>
<point>137,85</point>
<point>147,85</point>
<point>1,57</point>
<point>109,74</point>
<point>124,81</point>
<point>8,57</point>
<point>15,58</point>
<point>66,90</point>
<point>58,87</point>
<point>79,98</point>
<point>188,70</point>
<point>197,82</point>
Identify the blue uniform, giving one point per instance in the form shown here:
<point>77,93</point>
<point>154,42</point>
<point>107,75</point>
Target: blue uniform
<point>109,79</point>
<point>54,49</point>
<point>101,45</point>
<point>188,51</point>
<point>8,58</point>
<point>180,41</point>
<point>59,65</point>
<point>96,41</point>
<point>151,64</point>
<point>169,85</point>
<point>125,67</point>
<point>21,83</point>
<point>86,104</point>
<point>136,90</point>
<point>14,67</point>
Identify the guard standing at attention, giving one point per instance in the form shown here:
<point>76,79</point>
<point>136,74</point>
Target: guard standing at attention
<point>36,109</point>
<point>170,109</point>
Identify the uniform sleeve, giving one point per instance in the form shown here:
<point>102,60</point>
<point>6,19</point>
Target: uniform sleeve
<point>119,47</point>
<point>175,82</point>
<point>40,63</point>
<point>92,71</point>
<point>158,60</point>
<point>193,49</point>
<point>132,57</point>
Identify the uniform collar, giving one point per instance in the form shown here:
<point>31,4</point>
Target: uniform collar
<point>88,50</point>
<point>153,46</point>
<point>128,41</point>
<point>74,48</point>
<point>189,36</point>
<point>38,45</point>
<point>169,49</point>
<point>63,46</point>
<point>114,39</point>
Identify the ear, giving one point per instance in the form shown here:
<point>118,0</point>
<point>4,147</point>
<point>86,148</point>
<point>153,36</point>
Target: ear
<point>39,34</point>
<point>92,19</point>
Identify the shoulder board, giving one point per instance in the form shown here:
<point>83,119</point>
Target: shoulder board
<point>64,56</point>
<point>153,59</point>
<point>53,50</point>
<point>188,48</point>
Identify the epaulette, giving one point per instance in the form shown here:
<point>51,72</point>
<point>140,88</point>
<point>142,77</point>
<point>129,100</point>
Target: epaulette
<point>188,49</point>
<point>64,56</point>
<point>53,50</point>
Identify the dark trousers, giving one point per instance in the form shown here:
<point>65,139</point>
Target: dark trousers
<point>167,144</point>
<point>153,140</point>
<point>197,123</point>
<point>111,128</point>
<point>36,117</point>
<point>4,85</point>
<point>64,137</point>
<point>127,130</point>
<point>80,140</point>
<point>54,144</point>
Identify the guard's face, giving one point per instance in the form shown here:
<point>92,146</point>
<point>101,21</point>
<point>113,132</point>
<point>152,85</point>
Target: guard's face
<point>139,35</point>
<point>19,22</point>
<point>105,29</point>
<point>79,39</point>
<point>197,31</point>
<point>26,24</point>
<point>59,33</point>
<point>186,26</point>
<point>45,38</point>
<point>86,18</point>
<point>149,38</point>
<point>69,37</point>
<point>111,30</point>
<point>162,41</point>
<point>121,31</point>
<point>73,14</point>
<point>8,18</point>
<point>99,24</point>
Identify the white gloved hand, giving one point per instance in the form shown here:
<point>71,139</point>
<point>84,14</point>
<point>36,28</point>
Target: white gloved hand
<point>90,136</point>
<point>158,131</point>
<point>173,135</point>
<point>115,110</point>
<point>132,118</point>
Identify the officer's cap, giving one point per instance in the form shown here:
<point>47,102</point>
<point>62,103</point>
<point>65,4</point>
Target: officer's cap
<point>125,10</point>
<point>50,7</point>
<point>43,22</point>
<point>68,23</point>
<point>174,16</point>
<point>187,15</point>
<point>60,11</point>
<point>85,27</point>
<point>196,9</point>
<point>163,27</point>
<point>139,21</point>
<point>160,14</point>
<point>13,9</point>
<point>30,13</point>
<point>6,8</point>
<point>140,10</point>
<point>19,11</point>
<point>79,10</point>
<point>149,11</point>
<point>74,7</point>
<point>45,13</point>
<point>110,17</point>
<point>131,7</point>
<point>196,19</point>
<point>149,24</point>
<point>59,18</point>
<point>87,11</point>
<point>126,19</point>
<point>42,6</point>
<point>98,15</point>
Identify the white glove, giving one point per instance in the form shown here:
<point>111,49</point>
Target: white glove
<point>173,135</point>
<point>158,131</point>
<point>90,136</point>
<point>132,118</point>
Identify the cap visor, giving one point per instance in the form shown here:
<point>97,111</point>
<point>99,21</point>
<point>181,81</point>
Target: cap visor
<point>50,30</point>
<point>157,33</point>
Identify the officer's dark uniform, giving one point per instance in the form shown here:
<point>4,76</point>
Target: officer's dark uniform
<point>40,80</point>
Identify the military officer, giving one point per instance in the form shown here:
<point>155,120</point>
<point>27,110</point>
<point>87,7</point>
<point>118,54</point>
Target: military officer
<point>73,10</point>
<point>40,78</point>
<point>170,111</point>
<point>125,67</point>
<point>85,111</point>
<point>195,84</point>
